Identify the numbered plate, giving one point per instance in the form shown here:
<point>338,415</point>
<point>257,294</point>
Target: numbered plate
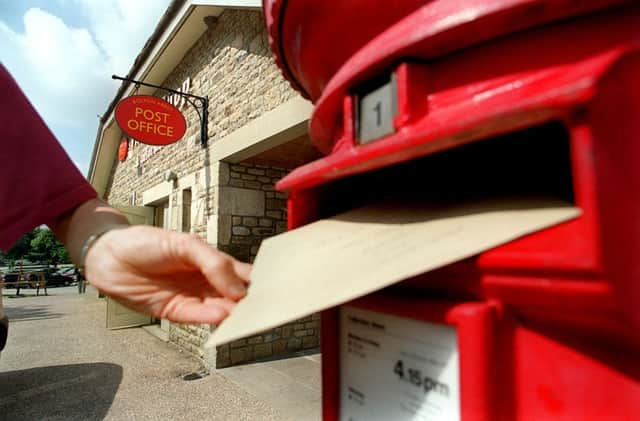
<point>393,368</point>
<point>375,112</point>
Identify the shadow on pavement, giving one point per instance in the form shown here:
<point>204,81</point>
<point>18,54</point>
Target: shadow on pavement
<point>65,392</point>
<point>30,312</point>
<point>25,294</point>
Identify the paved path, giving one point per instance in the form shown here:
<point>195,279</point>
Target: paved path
<point>291,386</point>
<point>62,364</point>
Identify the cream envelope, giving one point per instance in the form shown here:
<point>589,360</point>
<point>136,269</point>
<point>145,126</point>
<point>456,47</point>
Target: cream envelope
<point>335,260</point>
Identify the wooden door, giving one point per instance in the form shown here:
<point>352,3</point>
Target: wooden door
<point>119,316</point>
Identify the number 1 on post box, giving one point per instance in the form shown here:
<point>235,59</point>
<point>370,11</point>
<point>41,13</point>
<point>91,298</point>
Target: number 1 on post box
<point>375,112</point>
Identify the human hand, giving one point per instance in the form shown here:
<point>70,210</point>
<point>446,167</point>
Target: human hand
<point>166,274</point>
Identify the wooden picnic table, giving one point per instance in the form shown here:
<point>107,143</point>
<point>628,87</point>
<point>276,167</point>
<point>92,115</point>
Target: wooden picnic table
<point>28,280</point>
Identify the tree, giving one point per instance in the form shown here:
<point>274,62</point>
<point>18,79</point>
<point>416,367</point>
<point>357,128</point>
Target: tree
<point>20,249</point>
<point>45,247</point>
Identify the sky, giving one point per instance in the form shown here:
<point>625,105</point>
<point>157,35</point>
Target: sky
<point>62,53</point>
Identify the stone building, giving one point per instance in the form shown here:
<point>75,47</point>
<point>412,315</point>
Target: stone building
<point>222,191</point>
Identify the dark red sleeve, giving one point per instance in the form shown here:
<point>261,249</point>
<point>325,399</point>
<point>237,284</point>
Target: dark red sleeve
<point>38,181</point>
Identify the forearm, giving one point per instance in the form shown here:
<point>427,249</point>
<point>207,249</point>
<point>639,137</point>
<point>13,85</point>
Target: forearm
<point>166,274</point>
<point>93,216</point>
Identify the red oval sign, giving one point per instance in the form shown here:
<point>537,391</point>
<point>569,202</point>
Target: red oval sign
<point>150,120</point>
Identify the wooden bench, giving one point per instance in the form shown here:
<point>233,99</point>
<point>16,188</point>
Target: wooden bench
<point>28,280</point>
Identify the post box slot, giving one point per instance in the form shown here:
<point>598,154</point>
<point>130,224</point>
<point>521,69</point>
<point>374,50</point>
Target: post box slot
<point>534,162</point>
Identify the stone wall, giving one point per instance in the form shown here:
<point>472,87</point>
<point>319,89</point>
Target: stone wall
<point>245,227</point>
<point>190,337</point>
<point>241,230</point>
<point>289,339</point>
<point>232,64</point>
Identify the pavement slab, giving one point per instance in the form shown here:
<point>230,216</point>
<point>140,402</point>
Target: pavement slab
<point>291,386</point>
<point>61,363</point>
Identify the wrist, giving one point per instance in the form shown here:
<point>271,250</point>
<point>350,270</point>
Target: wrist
<point>89,243</point>
<point>74,228</point>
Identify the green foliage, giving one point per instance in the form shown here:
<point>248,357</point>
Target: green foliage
<point>46,248</point>
<point>20,249</point>
<point>40,246</point>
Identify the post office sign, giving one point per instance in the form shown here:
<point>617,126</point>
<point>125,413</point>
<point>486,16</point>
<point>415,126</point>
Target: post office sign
<point>150,120</point>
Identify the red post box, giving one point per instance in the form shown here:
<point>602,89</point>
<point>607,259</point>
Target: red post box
<point>454,100</point>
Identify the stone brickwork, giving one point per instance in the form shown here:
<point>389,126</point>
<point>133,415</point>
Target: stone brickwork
<point>231,64</point>
<point>242,237</point>
<point>189,337</point>
<point>289,339</point>
<point>263,214</point>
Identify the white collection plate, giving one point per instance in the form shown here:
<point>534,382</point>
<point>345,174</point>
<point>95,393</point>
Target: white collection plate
<point>393,368</point>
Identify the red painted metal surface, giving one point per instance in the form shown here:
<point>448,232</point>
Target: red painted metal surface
<point>555,314</point>
<point>123,149</point>
<point>150,120</point>
<point>510,369</point>
<point>368,38</point>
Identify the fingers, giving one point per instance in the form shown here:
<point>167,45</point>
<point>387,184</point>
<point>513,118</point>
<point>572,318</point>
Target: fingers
<point>242,269</point>
<point>194,310</point>
<point>222,275</point>
<point>227,275</point>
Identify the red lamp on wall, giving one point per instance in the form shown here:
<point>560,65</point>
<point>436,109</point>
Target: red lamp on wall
<point>123,150</point>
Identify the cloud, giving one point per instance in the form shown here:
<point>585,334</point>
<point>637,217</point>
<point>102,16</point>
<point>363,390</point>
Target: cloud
<point>59,68</point>
<point>66,71</point>
<point>117,25</point>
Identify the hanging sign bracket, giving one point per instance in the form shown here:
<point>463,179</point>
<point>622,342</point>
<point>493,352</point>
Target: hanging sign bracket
<point>201,109</point>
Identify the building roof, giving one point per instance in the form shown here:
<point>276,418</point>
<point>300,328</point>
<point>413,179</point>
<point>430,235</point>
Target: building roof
<point>167,17</point>
<point>182,24</point>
